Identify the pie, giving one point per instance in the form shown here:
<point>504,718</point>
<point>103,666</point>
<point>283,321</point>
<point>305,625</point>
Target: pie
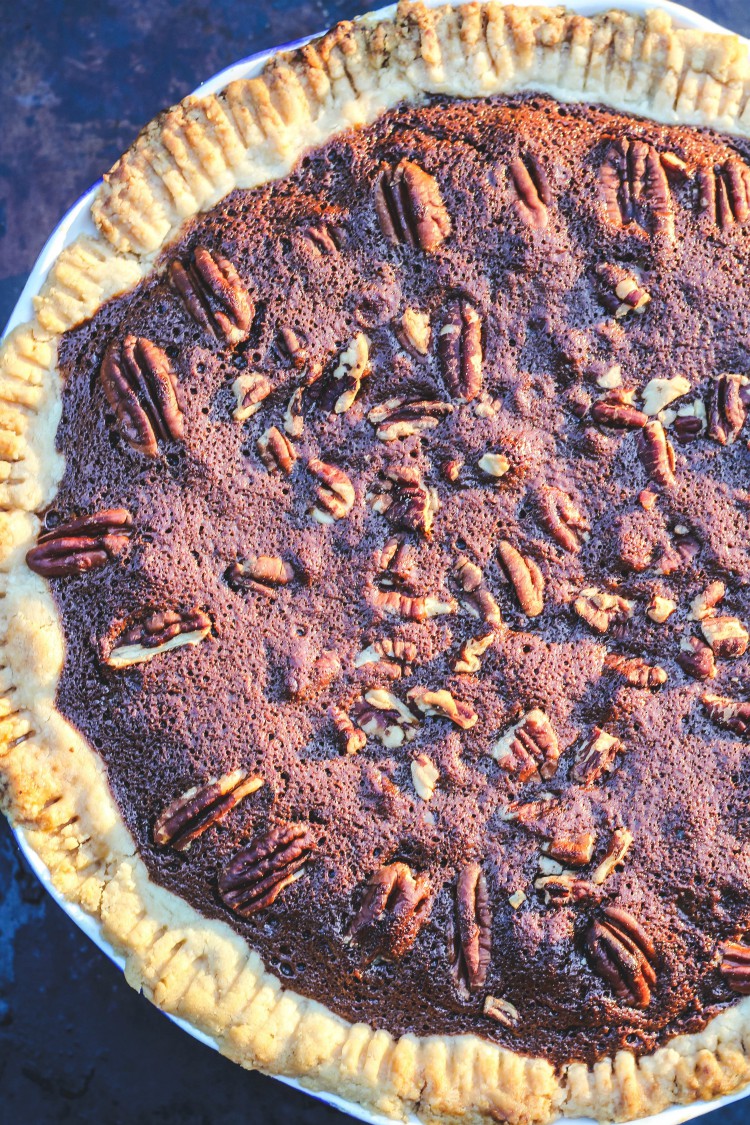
<point>376,549</point>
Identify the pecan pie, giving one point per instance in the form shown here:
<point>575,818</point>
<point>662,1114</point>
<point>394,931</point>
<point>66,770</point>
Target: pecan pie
<point>375,561</point>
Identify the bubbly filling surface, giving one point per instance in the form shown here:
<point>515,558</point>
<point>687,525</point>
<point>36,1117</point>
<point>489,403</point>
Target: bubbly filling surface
<point>415,648</point>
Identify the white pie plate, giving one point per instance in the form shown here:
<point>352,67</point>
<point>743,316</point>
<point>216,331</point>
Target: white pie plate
<point>78,221</point>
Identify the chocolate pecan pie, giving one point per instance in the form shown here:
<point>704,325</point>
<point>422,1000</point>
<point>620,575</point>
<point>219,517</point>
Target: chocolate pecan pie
<point>376,547</point>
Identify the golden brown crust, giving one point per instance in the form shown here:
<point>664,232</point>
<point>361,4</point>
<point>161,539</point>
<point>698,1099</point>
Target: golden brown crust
<point>54,785</point>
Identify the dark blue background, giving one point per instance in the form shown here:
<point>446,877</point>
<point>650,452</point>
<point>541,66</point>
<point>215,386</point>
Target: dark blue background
<point>77,82</point>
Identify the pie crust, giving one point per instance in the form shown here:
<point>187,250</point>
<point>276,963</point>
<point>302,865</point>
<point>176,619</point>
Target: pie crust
<point>54,785</point>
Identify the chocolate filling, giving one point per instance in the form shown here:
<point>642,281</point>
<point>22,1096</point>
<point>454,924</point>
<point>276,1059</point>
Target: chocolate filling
<point>533,250</point>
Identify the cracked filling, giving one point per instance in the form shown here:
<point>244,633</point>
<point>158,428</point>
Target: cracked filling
<point>402,554</point>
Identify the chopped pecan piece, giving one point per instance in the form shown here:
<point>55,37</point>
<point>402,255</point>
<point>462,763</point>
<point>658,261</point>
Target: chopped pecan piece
<point>696,658</point>
<point>561,518</point>
<point>140,386</point>
<point>394,909</point>
<point>575,851</point>
<point>324,238</point>
<point>735,966</point>
<point>494,464</point>
<point>396,560</point>
<point>728,407</point>
<point>561,890</point>
<point>414,331</point>
<point>460,349</point>
<point>425,776</point>
<point>352,738</point>
<point>531,191</point>
<point>294,422</point>
<point>81,544</point>
<point>596,757</point>
<point>353,366</point>
<point>255,877</point>
<point>635,187</point>
<point>687,428</point>
<point>249,391</point>
<point>394,604</point>
<point>620,415</point>
<point>659,393</point>
<point>471,650</point>
<point>619,845</point>
<point>405,500</point>
<point>157,633</point>
<point>660,609</point>
<point>727,636</point>
<point>470,937</point>
<point>482,603</point>
<point>704,603</point>
<point>410,208</point>
<point>529,747</point>
<point>394,654</point>
<point>214,294</point>
<point>382,715</point>
<point>403,417</point>
<point>525,577</point>
<point>276,451</point>
<point>190,815</point>
<point>731,714</point>
<point>261,573</point>
<point>442,704</point>
<point>451,469</point>
<point>601,610</point>
<point>620,291</point>
<point>336,494</point>
<point>723,193</point>
<point>308,674</point>
<point>502,1011</point>
<point>621,952</point>
<point>636,670</point>
<point>292,345</point>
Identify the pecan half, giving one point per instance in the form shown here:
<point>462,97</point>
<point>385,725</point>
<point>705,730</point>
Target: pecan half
<point>396,560</point>
<point>561,890</point>
<point>735,966</point>
<point>696,658</point>
<point>190,815</point>
<point>531,191</point>
<point>81,544</point>
<point>261,573</point>
<point>574,851</point>
<point>727,636</point>
<point>336,494</point>
<point>470,937</point>
<point>442,704</point>
<point>460,349</point>
<point>157,633</point>
<point>723,193</point>
<point>601,610</point>
<point>410,208</point>
<point>635,187</point>
<point>405,500</point>
<point>140,386</point>
<point>425,776</point>
<point>276,451</point>
<point>353,366</point>
<point>619,845</point>
<point>636,670</point>
<point>352,737</point>
<point>214,294</point>
<point>596,757</point>
<point>621,952</point>
<point>731,714</point>
<point>529,747</point>
<point>562,519</point>
<point>420,608</point>
<point>392,654</point>
<point>255,877</point>
<point>728,407</point>
<point>382,715</point>
<point>249,391</point>
<point>403,417</point>
<point>482,601</point>
<point>325,239</point>
<point>619,415</point>
<point>525,577</point>
<point>394,909</point>
<point>472,649</point>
